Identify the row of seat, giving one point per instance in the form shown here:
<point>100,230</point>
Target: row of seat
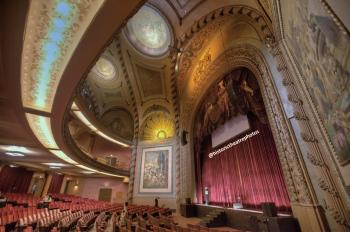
<point>14,214</point>
<point>101,222</point>
<point>69,221</point>
<point>160,223</point>
<point>86,221</point>
<point>23,199</point>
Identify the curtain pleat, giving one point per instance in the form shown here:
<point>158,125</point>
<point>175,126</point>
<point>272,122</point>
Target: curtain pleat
<point>56,182</point>
<point>15,180</point>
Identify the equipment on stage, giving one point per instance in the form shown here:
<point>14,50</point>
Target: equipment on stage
<point>206,195</point>
<point>188,210</point>
<point>238,204</point>
<point>269,209</point>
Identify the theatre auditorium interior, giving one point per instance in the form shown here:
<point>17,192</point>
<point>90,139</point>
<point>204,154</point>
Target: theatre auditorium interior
<point>175,115</point>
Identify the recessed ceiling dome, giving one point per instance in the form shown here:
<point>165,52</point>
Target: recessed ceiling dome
<point>149,32</point>
<point>105,69</point>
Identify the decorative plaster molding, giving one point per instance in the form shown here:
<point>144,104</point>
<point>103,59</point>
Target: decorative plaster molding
<point>136,122</point>
<point>335,206</point>
<point>201,31</point>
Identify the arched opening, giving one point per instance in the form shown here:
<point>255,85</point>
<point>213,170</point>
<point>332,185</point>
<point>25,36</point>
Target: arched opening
<point>236,159</point>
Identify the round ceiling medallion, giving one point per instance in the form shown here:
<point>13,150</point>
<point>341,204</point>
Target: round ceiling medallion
<point>149,32</point>
<point>105,69</point>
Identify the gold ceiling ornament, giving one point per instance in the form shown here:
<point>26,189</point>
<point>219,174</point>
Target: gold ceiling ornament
<point>157,126</point>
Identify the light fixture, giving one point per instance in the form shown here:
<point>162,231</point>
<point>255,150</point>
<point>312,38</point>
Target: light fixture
<point>15,154</point>
<point>161,134</point>
<point>111,139</point>
<point>87,172</point>
<point>84,120</point>
<point>54,167</point>
<point>13,166</point>
<point>76,185</point>
<point>14,148</point>
<point>105,69</point>
<point>94,170</point>
<point>41,126</point>
<point>55,164</point>
<point>60,154</point>
<point>74,106</point>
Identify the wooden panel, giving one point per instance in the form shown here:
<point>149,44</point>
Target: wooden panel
<point>105,194</point>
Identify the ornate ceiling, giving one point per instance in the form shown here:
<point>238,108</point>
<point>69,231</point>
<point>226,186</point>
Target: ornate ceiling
<point>134,90</point>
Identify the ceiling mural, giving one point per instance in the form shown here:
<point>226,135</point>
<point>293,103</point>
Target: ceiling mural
<point>149,31</point>
<point>120,122</point>
<point>53,31</point>
<point>237,93</point>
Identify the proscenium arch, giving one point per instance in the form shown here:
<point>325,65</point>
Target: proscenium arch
<point>193,42</point>
<point>248,56</point>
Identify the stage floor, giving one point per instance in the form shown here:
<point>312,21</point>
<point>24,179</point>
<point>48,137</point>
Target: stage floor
<point>243,210</point>
<point>250,220</point>
<point>182,221</point>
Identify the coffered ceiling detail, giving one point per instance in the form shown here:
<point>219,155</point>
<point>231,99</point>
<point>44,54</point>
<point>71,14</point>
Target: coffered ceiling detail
<point>150,82</point>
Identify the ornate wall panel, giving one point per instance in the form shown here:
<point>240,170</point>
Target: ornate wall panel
<point>318,88</point>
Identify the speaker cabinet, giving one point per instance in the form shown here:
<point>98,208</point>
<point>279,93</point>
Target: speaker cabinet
<point>184,138</point>
<point>269,209</point>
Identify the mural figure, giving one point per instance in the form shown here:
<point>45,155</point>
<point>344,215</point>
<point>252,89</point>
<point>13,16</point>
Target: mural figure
<point>223,100</point>
<point>321,42</point>
<point>238,93</point>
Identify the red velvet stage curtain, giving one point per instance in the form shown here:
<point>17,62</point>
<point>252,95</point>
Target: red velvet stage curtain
<point>250,170</point>
<point>56,182</point>
<point>15,180</point>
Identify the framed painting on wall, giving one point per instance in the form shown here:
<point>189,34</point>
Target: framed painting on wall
<point>156,170</point>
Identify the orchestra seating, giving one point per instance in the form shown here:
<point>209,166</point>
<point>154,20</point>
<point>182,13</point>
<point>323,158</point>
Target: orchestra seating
<point>68,213</point>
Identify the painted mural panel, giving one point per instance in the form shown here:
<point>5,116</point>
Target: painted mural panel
<point>322,52</point>
<point>156,170</point>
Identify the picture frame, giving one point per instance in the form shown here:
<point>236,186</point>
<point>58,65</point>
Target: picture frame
<point>156,170</point>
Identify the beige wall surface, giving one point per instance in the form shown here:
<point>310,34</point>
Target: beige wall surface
<point>90,188</point>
